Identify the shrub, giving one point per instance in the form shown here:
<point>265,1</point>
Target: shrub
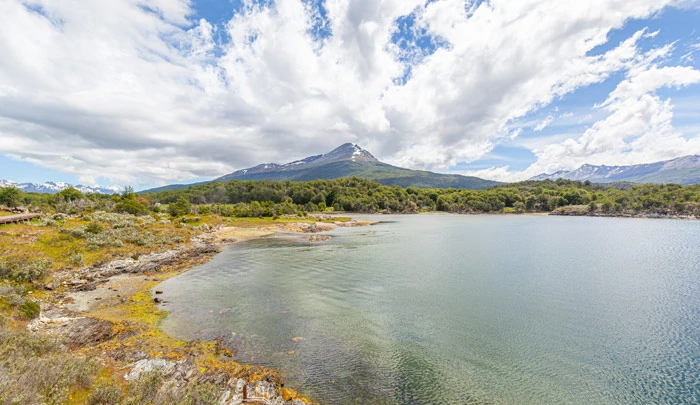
<point>104,239</point>
<point>94,227</point>
<point>180,207</point>
<point>29,310</point>
<point>23,268</point>
<point>35,370</point>
<point>131,206</point>
<point>106,394</point>
<point>198,394</point>
<point>116,220</point>
<point>145,389</point>
<point>76,259</point>
<point>12,295</point>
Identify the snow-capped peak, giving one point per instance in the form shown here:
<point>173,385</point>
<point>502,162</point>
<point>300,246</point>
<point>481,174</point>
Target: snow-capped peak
<point>51,187</point>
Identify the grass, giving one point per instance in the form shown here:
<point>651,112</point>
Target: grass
<point>62,241</point>
<point>36,368</point>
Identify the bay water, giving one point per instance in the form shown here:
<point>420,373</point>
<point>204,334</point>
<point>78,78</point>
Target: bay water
<point>450,309</point>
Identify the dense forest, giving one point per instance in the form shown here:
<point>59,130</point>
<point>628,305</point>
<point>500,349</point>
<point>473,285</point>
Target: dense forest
<point>358,195</point>
<point>269,198</point>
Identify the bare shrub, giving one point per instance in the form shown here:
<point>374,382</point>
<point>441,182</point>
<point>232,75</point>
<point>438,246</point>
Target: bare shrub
<point>34,369</point>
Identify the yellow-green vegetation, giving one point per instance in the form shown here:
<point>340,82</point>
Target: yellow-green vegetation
<point>29,250</point>
<point>37,368</point>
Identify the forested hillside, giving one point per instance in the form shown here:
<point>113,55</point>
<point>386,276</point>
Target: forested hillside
<point>243,198</point>
<point>270,198</point>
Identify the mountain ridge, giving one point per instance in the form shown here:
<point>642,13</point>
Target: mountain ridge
<point>684,170</point>
<point>347,160</point>
<point>350,159</point>
<point>345,151</point>
<point>51,187</point>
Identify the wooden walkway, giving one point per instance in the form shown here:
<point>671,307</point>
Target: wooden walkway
<point>11,219</point>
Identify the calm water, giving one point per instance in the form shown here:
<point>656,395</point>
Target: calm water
<point>441,309</point>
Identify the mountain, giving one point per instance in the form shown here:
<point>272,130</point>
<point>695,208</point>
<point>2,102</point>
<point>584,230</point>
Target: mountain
<point>351,160</point>
<point>52,188</point>
<point>683,170</point>
<point>345,161</point>
<point>345,152</point>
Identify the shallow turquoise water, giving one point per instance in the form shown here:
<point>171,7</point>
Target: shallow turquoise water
<point>446,309</point>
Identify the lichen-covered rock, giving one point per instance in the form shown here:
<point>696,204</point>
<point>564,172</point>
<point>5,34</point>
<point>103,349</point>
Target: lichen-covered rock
<point>167,368</point>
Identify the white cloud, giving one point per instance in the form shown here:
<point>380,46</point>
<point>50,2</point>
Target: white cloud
<point>496,173</point>
<point>137,91</point>
<point>638,127</point>
<point>544,123</point>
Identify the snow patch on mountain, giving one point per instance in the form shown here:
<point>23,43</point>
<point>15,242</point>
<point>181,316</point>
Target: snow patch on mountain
<point>51,187</point>
<point>607,174</point>
<point>347,151</point>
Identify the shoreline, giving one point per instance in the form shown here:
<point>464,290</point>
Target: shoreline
<point>637,215</point>
<point>110,312</point>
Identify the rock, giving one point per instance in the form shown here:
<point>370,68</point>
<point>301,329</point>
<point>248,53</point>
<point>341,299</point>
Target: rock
<point>76,331</point>
<point>159,291</point>
<point>146,264</point>
<point>87,286</point>
<point>88,331</point>
<point>143,366</point>
<point>318,238</point>
<point>157,300</point>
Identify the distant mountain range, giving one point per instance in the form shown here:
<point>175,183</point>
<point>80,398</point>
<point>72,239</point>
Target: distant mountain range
<point>351,160</point>
<point>345,161</point>
<point>53,188</point>
<point>684,170</point>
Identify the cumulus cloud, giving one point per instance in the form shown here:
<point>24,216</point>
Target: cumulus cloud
<point>139,91</point>
<point>637,129</point>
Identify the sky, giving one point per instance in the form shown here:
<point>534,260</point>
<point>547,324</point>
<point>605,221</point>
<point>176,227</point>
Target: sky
<point>153,92</point>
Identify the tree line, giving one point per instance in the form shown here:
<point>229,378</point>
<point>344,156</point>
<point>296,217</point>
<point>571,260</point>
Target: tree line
<point>255,198</point>
<point>273,198</point>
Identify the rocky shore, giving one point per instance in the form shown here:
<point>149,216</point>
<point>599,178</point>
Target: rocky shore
<point>584,210</point>
<point>107,310</point>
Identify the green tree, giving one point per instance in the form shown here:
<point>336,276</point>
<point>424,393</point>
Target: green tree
<point>180,207</point>
<point>70,194</point>
<point>129,203</point>
<point>10,196</point>
<point>131,206</point>
<point>128,192</point>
